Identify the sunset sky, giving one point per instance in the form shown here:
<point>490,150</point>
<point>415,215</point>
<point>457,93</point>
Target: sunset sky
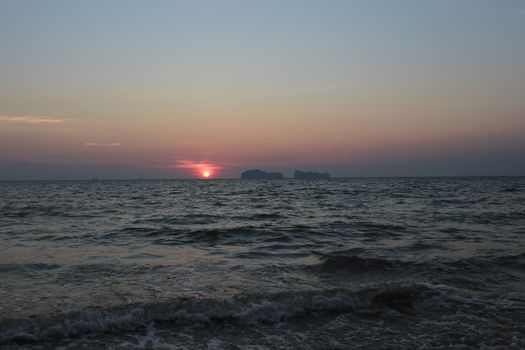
<point>170,89</point>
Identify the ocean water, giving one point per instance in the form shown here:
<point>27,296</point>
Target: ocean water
<point>400,263</point>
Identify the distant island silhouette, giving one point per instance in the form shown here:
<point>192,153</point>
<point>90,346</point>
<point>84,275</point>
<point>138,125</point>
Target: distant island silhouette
<point>258,174</point>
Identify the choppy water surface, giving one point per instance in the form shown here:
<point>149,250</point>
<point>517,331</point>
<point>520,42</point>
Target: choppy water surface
<point>229,264</point>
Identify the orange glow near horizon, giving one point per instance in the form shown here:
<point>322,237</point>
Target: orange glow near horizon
<point>202,170</point>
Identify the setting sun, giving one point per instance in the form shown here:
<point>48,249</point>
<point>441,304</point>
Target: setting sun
<point>206,174</point>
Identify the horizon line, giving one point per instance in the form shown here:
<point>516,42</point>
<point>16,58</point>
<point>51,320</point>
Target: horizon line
<point>250,180</point>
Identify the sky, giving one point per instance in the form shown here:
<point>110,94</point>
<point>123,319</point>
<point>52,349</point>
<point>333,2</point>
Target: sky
<point>173,88</point>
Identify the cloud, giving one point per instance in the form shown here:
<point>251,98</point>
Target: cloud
<point>192,164</point>
<point>32,119</point>
<point>99,144</point>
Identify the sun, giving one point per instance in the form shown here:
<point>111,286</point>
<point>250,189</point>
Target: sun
<point>206,173</point>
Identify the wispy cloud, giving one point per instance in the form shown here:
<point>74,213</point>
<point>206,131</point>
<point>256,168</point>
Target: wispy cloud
<point>192,164</point>
<point>32,119</point>
<point>99,144</point>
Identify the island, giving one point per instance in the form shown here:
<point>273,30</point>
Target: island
<point>310,175</point>
<point>257,174</point>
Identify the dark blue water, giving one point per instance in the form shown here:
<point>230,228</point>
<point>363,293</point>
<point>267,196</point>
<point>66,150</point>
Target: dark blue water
<point>427,263</point>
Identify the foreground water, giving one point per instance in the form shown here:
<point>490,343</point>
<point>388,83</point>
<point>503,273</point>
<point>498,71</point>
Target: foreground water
<point>424,263</point>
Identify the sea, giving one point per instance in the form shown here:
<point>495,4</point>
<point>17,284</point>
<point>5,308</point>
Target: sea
<point>355,263</point>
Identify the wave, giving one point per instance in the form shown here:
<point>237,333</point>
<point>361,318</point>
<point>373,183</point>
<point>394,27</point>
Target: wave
<point>31,210</point>
<point>243,310</point>
<point>266,216</point>
<point>169,235</point>
<point>516,261</point>
<point>27,268</point>
<point>42,210</point>
<point>354,263</point>
<point>344,262</point>
<point>383,229</point>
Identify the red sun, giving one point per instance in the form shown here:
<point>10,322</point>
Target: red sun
<point>206,174</point>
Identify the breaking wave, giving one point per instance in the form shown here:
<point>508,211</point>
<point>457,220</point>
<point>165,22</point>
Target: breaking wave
<point>242,310</point>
